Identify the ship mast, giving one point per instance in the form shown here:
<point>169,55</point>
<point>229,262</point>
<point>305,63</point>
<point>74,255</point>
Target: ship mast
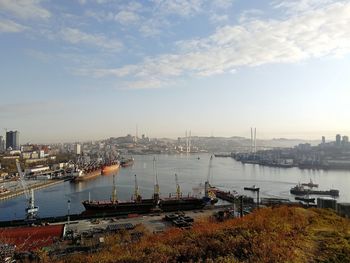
<point>178,191</point>
<point>137,195</point>
<point>156,185</point>
<point>207,185</point>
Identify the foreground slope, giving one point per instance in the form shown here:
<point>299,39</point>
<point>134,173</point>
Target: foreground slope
<point>283,234</point>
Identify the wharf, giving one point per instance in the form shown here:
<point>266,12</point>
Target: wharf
<point>45,184</point>
<point>83,217</point>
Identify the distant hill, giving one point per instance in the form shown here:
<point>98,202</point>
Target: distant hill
<point>283,234</point>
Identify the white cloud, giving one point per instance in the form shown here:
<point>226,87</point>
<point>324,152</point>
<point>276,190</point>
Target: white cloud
<point>302,5</point>
<point>179,7</point>
<point>224,4</point>
<point>216,18</point>
<point>9,26</point>
<point>321,32</point>
<point>25,8</point>
<point>150,83</point>
<point>126,17</point>
<point>75,36</point>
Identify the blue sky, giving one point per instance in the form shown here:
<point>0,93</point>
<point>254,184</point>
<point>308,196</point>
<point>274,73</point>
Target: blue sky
<point>88,69</point>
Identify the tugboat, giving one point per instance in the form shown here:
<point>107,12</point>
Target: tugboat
<point>253,188</point>
<point>310,184</point>
<point>126,162</point>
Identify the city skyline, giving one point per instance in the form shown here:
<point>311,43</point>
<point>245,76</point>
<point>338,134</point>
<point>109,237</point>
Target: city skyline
<point>91,69</point>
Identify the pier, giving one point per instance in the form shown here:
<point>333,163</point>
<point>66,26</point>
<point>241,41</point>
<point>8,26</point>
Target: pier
<point>34,187</point>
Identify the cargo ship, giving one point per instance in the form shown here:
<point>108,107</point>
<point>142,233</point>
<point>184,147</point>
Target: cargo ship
<point>180,203</point>
<point>126,162</point>
<point>135,206</point>
<point>110,167</point>
<point>86,173</point>
<point>300,190</point>
<point>139,205</point>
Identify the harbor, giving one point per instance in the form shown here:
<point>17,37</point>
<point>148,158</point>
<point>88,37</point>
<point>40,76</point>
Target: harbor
<point>227,175</point>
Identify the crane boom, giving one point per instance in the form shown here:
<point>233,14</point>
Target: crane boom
<point>156,185</point>
<point>22,181</point>
<point>31,210</point>
<point>178,190</point>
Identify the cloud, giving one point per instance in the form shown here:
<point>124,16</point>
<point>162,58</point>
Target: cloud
<point>322,32</point>
<point>75,36</point>
<point>179,7</point>
<point>126,17</point>
<point>223,4</point>
<point>216,18</point>
<point>25,9</point>
<point>8,26</point>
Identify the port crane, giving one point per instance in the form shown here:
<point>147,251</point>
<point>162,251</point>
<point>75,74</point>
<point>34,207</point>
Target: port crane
<point>156,185</point>
<point>31,209</point>
<point>137,196</point>
<point>178,191</point>
<point>207,192</point>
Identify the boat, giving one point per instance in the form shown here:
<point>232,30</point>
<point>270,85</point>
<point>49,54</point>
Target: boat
<point>180,203</point>
<point>301,190</point>
<point>126,162</point>
<point>253,188</point>
<point>4,190</point>
<point>111,166</point>
<point>305,199</point>
<point>86,174</point>
<point>135,206</point>
<point>310,184</point>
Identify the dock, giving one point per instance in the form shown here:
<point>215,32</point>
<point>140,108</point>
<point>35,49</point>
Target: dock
<point>38,186</point>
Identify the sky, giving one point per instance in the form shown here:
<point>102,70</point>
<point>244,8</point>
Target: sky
<point>75,70</point>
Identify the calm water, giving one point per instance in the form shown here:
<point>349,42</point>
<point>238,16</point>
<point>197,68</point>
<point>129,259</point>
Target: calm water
<point>226,174</point>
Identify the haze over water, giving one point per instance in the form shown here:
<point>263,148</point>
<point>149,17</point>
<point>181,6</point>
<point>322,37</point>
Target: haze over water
<point>226,174</point>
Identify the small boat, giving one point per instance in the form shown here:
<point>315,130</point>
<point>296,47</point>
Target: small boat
<point>253,188</point>
<point>126,162</point>
<point>310,184</point>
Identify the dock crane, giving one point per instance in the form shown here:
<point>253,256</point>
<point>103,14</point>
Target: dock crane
<point>31,209</point>
<point>178,191</point>
<point>156,194</point>
<point>209,194</point>
<point>137,196</point>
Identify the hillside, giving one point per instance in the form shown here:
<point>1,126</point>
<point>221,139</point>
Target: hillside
<point>284,234</point>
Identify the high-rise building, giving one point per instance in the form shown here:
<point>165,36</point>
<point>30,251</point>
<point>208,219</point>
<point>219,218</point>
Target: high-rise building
<point>345,140</point>
<point>2,144</point>
<point>12,140</point>
<point>77,149</point>
<point>338,139</point>
<point>323,140</point>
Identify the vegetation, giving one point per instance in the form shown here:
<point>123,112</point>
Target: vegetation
<point>283,234</point>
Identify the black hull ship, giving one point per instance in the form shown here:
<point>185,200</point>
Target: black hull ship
<point>300,190</point>
<point>181,204</point>
<point>141,206</point>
